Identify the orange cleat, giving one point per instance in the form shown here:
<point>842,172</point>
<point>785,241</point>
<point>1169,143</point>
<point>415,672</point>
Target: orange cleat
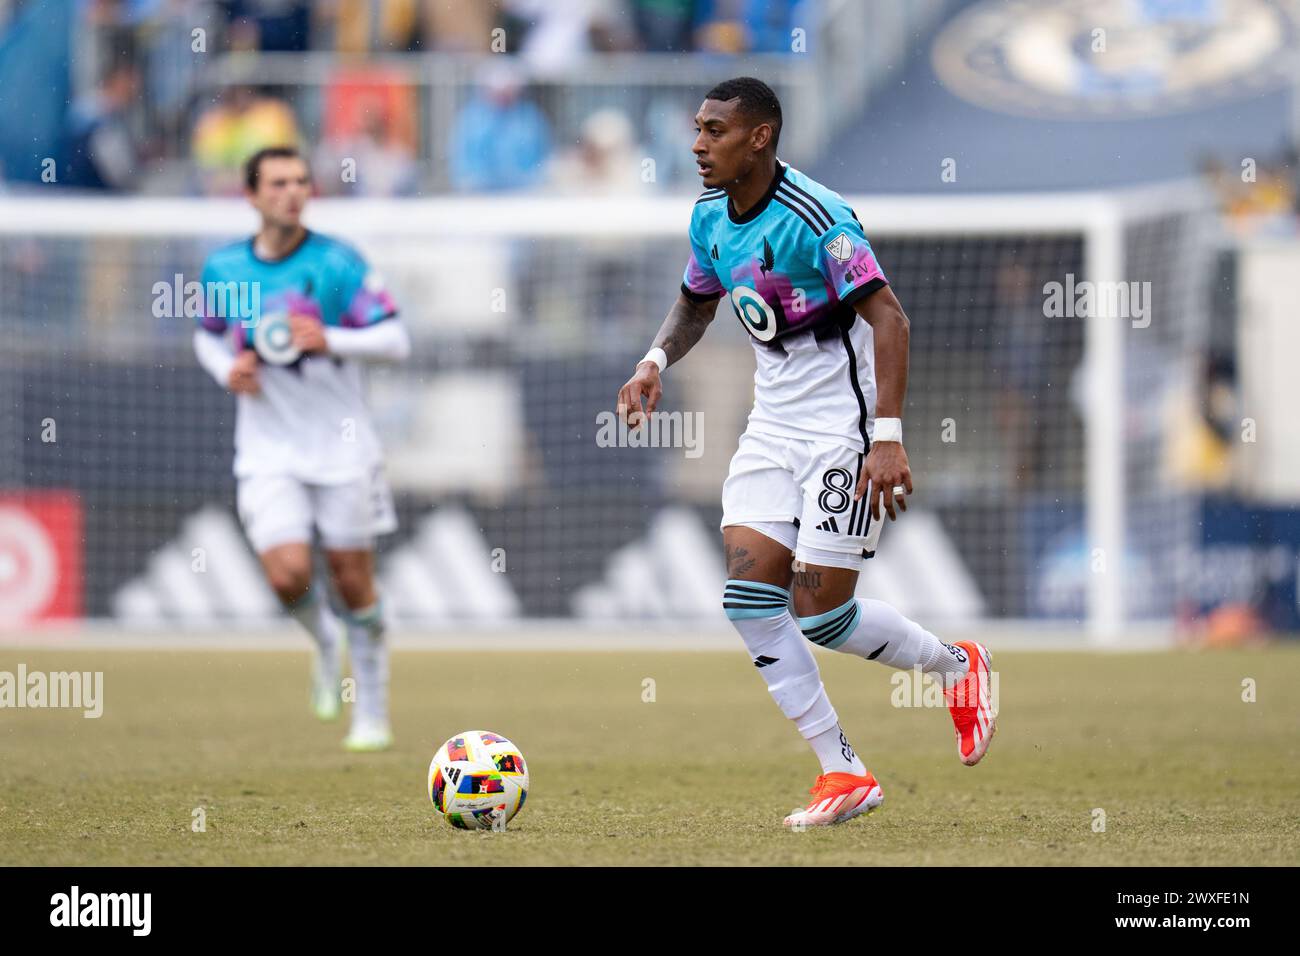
<point>968,701</point>
<point>838,797</point>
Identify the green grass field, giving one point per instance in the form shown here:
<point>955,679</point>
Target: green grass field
<point>1186,772</point>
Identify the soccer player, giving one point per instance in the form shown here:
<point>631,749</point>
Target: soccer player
<point>306,455</point>
<point>823,448</point>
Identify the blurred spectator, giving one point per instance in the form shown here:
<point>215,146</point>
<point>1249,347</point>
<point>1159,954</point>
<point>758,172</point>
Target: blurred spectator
<point>369,144</point>
<point>383,165</point>
<point>97,148</point>
<point>721,36</point>
<point>35,88</point>
<point>607,159</point>
<point>268,25</point>
<point>168,63</point>
<point>664,25</point>
<point>104,36</point>
<point>1201,423</point>
<point>241,123</point>
<point>1261,198</point>
<point>499,140</point>
<point>769,24</point>
<point>746,26</point>
<point>460,26</point>
<point>376,26</point>
<point>551,36</point>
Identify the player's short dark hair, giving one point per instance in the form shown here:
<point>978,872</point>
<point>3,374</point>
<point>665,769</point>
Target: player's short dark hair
<point>253,168</point>
<point>757,101</point>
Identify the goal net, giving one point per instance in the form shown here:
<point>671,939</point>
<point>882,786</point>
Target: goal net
<point>1038,416</point>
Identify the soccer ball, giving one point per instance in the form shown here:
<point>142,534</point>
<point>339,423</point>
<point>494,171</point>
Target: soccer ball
<point>478,780</point>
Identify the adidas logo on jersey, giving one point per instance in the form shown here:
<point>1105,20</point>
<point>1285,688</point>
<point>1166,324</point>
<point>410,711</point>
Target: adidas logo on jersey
<point>714,251</point>
<point>829,525</point>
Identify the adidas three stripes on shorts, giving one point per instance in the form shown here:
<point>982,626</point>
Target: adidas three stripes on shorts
<point>808,485</point>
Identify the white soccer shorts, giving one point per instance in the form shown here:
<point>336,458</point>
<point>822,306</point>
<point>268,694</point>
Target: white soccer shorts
<point>802,492</point>
<point>280,509</point>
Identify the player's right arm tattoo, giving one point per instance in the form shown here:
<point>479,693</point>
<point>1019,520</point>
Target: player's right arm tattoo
<point>684,326</point>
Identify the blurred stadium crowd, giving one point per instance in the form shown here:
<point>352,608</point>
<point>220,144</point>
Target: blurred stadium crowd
<point>345,79</point>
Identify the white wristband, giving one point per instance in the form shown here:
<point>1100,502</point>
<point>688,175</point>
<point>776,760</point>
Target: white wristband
<point>888,429</point>
<point>658,356</point>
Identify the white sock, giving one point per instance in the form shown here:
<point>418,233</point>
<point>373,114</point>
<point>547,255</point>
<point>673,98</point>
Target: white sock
<point>836,753</point>
<point>319,621</point>
<point>369,663</point>
<point>877,632</point>
<point>760,613</point>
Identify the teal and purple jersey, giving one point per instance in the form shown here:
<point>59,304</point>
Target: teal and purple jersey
<point>323,278</point>
<point>797,260</point>
<point>308,418</point>
<point>792,268</point>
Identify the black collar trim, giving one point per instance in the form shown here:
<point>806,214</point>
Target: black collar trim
<point>252,248</point>
<point>757,209</point>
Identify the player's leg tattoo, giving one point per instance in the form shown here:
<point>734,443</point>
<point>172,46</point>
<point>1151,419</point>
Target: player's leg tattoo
<point>817,589</point>
<point>808,581</point>
<point>753,556</point>
<point>831,617</point>
<point>739,562</point>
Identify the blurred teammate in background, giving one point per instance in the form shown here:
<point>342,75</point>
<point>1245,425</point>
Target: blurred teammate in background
<point>306,455</point>
<point>801,504</point>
